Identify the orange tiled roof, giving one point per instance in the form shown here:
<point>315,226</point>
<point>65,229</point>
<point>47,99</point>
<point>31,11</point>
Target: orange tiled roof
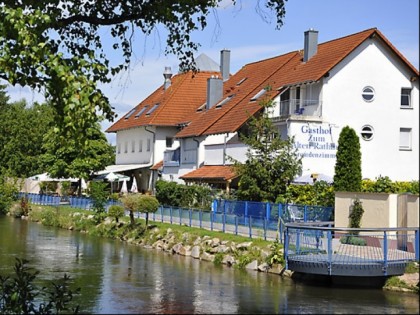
<point>175,103</point>
<point>211,172</point>
<point>276,72</point>
<point>157,166</point>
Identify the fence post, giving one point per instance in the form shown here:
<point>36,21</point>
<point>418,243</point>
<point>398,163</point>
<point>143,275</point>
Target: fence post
<point>180,216</point>
<point>190,215</point>
<point>223,222</point>
<point>385,251</point>
<point>211,220</point>
<point>170,214</point>
<point>281,227</point>
<point>250,228</point>
<point>246,212</point>
<point>236,225</point>
<point>200,218</point>
<point>161,214</point>
<point>267,210</point>
<point>329,252</point>
<point>417,242</point>
<point>305,213</point>
<point>265,228</point>
<point>286,247</point>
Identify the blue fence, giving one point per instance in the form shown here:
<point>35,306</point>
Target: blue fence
<point>273,211</point>
<point>38,199</point>
<point>246,218</point>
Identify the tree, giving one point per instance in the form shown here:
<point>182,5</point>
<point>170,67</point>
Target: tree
<point>348,165</point>
<point>22,131</point>
<point>116,211</point>
<point>66,161</point>
<point>138,202</point>
<point>271,162</point>
<point>57,47</point>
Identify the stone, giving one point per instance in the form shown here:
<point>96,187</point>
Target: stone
<point>195,252</point>
<point>229,260</point>
<point>276,269</point>
<point>223,249</point>
<point>185,251</point>
<point>244,245</point>
<point>252,265</point>
<point>263,267</point>
<point>207,257</point>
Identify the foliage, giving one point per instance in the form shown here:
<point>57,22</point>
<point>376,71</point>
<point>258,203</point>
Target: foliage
<point>58,48</point>
<point>65,188</point>
<point>64,161</point>
<point>22,130</point>
<point>8,193</point>
<point>179,195</point>
<point>353,240</point>
<point>19,294</point>
<point>99,196</point>
<point>140,203</point>
<point>348,165</point>
<point>116,211</point>
<point>318,194</point>
<point>356,214</point>
<point>276,254</point>
<point>25,205</point>
<point>271,162</point>
<point>383,184</point>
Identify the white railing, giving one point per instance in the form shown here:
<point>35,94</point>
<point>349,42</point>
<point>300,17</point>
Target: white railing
<point>300,107</point>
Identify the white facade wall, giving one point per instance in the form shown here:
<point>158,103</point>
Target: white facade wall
<point>372,65</point>
<point>125,140</point>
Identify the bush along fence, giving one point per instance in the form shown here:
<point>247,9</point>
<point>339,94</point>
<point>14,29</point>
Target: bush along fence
<point>245,218</point>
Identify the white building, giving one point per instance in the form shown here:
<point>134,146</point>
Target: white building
<point>360,80</point>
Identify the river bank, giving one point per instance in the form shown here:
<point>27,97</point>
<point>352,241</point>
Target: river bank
<point>208,246</point>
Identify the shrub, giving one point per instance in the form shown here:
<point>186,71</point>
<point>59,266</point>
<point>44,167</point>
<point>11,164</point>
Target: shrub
<point>8,193</point>
<point>356,214</point>
<point>353,240</point>
<point>116,211</point>
<point>99,196</point>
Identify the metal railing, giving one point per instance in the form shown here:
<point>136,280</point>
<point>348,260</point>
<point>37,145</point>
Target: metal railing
<point>319,248</point>
<point>305,107</point>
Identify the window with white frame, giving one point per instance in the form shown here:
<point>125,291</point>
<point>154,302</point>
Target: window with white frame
<point>140,145</point>
<point>368,94</point>
<point>133,146</point>
<point>148,145</point>
<point>119,148</point>
<point>125,147</point>
<point>405,98</point>
<point>169,142</point>
<point>405,138</point>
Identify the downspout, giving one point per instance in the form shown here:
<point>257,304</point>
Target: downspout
<point>151,181</point>
<point>224,149</point>
<point>198,152</point>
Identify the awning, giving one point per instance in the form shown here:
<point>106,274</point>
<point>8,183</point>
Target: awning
<point>122,167</point>
<point>311,178</point>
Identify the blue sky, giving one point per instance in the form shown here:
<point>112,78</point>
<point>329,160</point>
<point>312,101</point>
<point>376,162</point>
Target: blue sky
<point>249,38</point>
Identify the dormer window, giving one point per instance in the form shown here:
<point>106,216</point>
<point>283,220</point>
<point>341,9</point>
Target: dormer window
<point>152,109</point>
<point>241,81</point>
<point>131,112</point>
<point>201,107</point>
<point>258,95</point>
<point>141,111</point>
<point>223,102</point>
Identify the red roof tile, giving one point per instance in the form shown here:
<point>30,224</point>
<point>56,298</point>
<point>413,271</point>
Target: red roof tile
<point>276,72</point>
<point>175,103</point>
<point>211,172</point>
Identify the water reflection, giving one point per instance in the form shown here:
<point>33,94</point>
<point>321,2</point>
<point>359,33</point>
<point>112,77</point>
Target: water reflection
<point>119,278</point>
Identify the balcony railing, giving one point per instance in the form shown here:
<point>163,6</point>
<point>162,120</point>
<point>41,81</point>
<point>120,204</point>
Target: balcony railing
<point>303,107</point>
<point>171,157</point>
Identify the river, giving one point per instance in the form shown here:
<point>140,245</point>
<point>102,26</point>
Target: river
<point>119,278</point>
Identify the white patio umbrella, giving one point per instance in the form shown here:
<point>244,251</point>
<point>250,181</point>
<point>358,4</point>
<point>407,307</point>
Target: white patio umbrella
<point>124,187</point>
<point>309,179</point>
<point>134,186</point>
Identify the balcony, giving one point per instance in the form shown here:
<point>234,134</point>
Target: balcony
<point>171,157</point>
<point>299,107</point>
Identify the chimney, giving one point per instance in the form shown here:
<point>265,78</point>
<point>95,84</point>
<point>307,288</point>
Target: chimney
<point>225,64</point>
<point>311,44</point>
<point>167,74</point>
<point>214,91</point>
